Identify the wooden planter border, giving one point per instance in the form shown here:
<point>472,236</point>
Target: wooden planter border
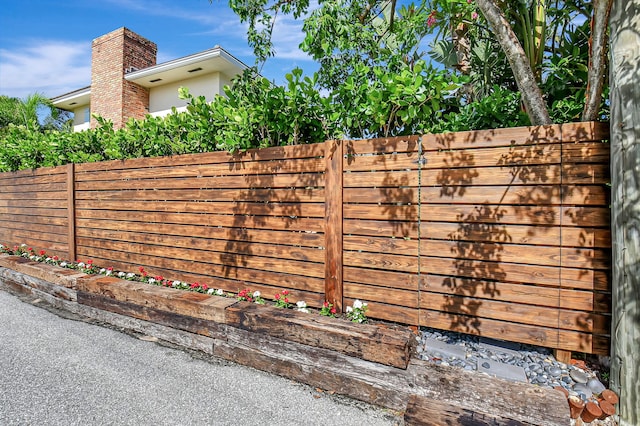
<point>200,313</point>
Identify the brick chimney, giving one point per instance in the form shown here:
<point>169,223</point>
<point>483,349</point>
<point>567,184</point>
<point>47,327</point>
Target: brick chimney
<point>114,54</point>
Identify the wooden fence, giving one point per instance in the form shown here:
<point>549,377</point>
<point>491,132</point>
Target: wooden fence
<point>502,233</point>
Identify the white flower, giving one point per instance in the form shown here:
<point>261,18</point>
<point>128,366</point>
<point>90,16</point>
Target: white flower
<point>301,304</point>
<point>48,259</point>
<point>81,265</point>
<point>32,257</point>
<point>121,274</point>
<point>349,309</point>
<point>175,284</point>
<point>23,245</point>
<point>63,264</point>
<point>151,280</point>
<point>256,294</point>
<point>305,310</point>
<point>357,304</point>
<point>109,272</point>
<point>102,270</point>
<point>220,292</point>
<point>131,275</point>
<point>210,291</point>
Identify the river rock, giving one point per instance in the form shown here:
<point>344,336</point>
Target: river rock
<point>595,386</point>
<point>579,376</point>
<point>583,389</point>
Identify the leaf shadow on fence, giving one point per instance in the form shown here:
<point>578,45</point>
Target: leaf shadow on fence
<point>530,193</point>
<point>273,190</point>
<point>398,202</point>
<point>380,179</point>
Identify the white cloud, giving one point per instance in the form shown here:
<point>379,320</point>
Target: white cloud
<point>286,39</point>
<point>206,14</point>
<point>49,67</point>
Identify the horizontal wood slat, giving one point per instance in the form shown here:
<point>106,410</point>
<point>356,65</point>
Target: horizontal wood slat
<point>315,195</point>
<point>237,221</point>
<point>218,208</point>
<point>119,230</point>
<point>237,182</point>
<point>264,154</point>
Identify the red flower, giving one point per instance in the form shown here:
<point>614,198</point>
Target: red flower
<point>285,292</point>
<point>55,257</point>
<point>205,287</point>
<point>89,262</point>
<point>431,20</point>
<point>333,310</point>
<point>42,252</point>
<point>286,300</point>
<point>278,296</point>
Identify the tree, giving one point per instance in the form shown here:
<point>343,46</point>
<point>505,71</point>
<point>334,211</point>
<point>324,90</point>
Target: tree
<point>531,34</point>
<point>27,112</point>
<point>597,58</point>
<point>625,199</point>
<point>523,73</point>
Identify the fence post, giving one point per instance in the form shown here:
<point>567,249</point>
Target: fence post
<point>71,211</point>
<point>334,153</point>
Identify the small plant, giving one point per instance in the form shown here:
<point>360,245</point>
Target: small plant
<point>52,260</point>
<point>248,296</point>
<point>143,273</point>
<point>301,306</point>
<point>282,300</point>
<point>86,267</point>
<point>357,312</point>
<point>328,310</point>
<point>199,287</point>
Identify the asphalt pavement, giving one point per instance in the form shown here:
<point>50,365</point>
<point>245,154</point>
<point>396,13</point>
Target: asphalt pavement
<point>65,371</point>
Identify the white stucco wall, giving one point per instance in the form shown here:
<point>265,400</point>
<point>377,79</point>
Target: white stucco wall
<point>80,121</point>
<point>162,98</point>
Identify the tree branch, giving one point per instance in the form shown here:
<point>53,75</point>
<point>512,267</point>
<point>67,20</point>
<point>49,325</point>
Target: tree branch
<point>597,59</point>
<point>525,79</point>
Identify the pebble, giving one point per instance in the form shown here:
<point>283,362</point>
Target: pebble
<point>555,371</point>
<point>579,376</point>
<point>583,390</point>
<point>538,363</point>
<point>595,385</point>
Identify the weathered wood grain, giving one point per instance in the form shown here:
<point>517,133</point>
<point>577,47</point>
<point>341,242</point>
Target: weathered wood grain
<point>188,323</point>
<point>53,274</point>
<point>422,411</point>
<point>180,302</point>
<point>388,346</point>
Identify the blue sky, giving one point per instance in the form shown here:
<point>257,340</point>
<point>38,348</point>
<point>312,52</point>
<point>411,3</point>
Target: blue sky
<point>45,46</point>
